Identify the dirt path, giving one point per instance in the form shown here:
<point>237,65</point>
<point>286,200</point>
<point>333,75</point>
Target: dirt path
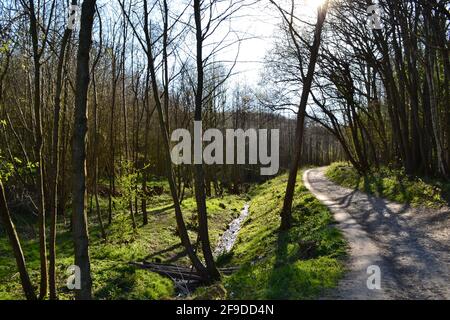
<point>410,245</point>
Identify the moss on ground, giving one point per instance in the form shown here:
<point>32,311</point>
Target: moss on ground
<point>392,184</point>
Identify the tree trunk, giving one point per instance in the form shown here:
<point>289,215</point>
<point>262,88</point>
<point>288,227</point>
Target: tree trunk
<point>199,173</point>
<point>112,169</point>
<point>79,217</point>
<point>430,56</point>
<point>181,226</point>
<point>145,169</point>
<point>55,163</point>
<point>95,154</point>
<point>38,149</point>
<point>286,214</point>
<point>15,244</point>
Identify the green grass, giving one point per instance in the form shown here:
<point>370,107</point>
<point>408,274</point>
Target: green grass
<point>392,184</point>
<point>298,264</point>
<point>113,277</point>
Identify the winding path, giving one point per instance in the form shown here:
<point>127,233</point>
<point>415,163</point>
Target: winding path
<point>410,245</point>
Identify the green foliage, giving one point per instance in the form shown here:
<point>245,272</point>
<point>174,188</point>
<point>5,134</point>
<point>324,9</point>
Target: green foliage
<point>392,184</point>
<point>23,168</point>
<point>128,182</point>
<point>6,169</point>
<point>4,47</point>
<point>297,264</point>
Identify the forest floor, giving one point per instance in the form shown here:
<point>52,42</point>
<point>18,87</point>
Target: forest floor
<point>113,277</point>
<point>298,264</point>
<point>409,244</point>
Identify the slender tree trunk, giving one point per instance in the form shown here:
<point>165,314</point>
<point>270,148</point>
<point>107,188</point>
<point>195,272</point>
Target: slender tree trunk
<point>8,224</point>
<point>79,218</point>
<point>95,153</point>
<point>430,56</point>
<point>63,161</point>
<point>199,173</point>
<point>38,149</point>
<point>112,169</point>
<point>181,226</point>
<point>55,163</point>
<point>96,133</point>
<point>286,214</point>
<point>145,169</point>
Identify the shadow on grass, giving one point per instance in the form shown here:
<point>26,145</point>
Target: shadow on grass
<point>125,282</point>
<point>156,256</point>
<point>373,184</point>
<point>117,286</point>
<point>394,184</point>
<point>161,210</point>
<point>292,276</point>
<point>280,279</point>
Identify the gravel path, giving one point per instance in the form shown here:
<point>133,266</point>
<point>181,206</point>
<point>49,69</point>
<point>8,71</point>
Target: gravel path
<point>410,245</point>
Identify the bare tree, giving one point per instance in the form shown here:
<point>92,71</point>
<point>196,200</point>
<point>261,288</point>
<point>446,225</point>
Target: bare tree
<point>199,174</point>
<point>38,51</point>
<point>289,18</point>
<point>55,160</point>
<point>79,218</point>
<point>148,46</point>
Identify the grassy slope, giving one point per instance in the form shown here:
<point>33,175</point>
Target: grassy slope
<point>291,265</point>
<point>113,277</point>
<point>392,184</point>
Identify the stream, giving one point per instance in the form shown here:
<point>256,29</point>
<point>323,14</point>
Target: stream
<point>228,239</point>
<point>185,287</point>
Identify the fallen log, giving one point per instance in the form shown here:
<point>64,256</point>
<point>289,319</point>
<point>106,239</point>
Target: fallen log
<point>178,272</point>
<point>174,272</point>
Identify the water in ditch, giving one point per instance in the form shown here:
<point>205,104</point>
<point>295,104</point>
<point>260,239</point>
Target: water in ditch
<point>228,239</point>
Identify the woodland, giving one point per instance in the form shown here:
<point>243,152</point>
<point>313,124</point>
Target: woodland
<point>90,97</point>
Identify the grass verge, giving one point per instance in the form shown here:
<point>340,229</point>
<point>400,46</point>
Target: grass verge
<point>392,184</point>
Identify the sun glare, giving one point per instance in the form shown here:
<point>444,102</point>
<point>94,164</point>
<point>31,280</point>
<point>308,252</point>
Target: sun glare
<point>315,3</point>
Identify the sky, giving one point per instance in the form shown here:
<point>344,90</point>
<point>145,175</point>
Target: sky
<point>255,23</point>
<point>258,25</point>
